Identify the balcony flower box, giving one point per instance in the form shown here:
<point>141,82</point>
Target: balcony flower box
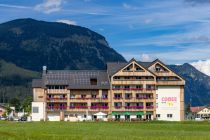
<point>128,107</point>
<point>118,107</point>
<point>104,107</point>
<point>81,107</point>
<point>72,107</point>
<point>93,107</point>
<point>149,107</point>
<point>139,107</point>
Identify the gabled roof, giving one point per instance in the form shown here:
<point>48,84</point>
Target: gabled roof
<point>112,68</point>
<point>197,108</point>
<point>37,83</point>
<point>157,60</point>
<point>74,79</point>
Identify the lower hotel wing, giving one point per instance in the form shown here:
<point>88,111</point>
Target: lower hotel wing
<point>124,91</point>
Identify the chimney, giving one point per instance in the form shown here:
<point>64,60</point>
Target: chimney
<point>44,70</point>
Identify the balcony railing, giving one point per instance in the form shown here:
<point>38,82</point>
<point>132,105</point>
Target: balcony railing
<point>76,107</point>
<point>56,99</point>
<point>149,89</point>
<point>138,98</point>
<point>134,107</point>
<point>99,107</point>
<point>150,107</point>
<point>57,107</point>
<point>88,98</point>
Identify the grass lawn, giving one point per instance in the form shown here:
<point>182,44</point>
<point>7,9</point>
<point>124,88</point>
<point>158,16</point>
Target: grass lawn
<point>104,130</point>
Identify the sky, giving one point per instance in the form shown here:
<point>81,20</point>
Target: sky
<point>175,31</point>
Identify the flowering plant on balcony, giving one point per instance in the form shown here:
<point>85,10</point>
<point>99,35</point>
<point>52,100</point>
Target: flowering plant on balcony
<point>93,107</point>
<point>139,107</point>
<point>118,107</point>
<point>128,107</point>
<point>128,98</point>
<point>150,107</point>
<point>136,88</point>
<point>104,107</point>
<point>81,107</point>
<point>72,107</point>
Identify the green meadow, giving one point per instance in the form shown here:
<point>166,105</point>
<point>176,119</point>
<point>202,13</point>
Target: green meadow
<point>104,130</point>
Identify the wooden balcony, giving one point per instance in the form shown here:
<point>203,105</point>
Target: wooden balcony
<point>57,91</point>
<point>132,82</point>
<point>89,100</point>
<point>135,90</point>
<point>133,108</point>
<point>162,82</point>
<point>56,100</point>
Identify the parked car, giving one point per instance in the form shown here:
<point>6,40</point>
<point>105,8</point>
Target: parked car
<point>2,118</point>
<point>24,118</point>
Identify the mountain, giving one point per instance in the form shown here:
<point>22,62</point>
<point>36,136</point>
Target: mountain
<point>15,81</point>
<point>197,88</point>
<point>30,44</point>
<point>27,44</point>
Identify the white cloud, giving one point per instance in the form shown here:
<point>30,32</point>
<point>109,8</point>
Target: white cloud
<point>146,58</point>
<point>66,21</point>
<point>14,6</point>
<point>49,6</point>
<point>203,66</point>
<point>128,6</point>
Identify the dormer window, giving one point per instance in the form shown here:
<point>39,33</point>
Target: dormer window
<point>93,81</point>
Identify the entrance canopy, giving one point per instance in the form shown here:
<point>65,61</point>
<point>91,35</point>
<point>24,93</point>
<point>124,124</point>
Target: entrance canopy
<point>100,114</point>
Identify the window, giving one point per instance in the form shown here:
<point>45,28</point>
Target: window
<point>126,87</point>
<point>93,81</point>
<point>138,77</point>
<point>117,96</point>
<point>35,109</point>
<point>128,95</point>
<point>72,96</point>
<point>116,87</point>
<point>156,96</point>
<point>126,77</point>
<point>117,77</point>
<point>94,96</point>
<point>117,104</point>
<point>139,86</point>
<point>157,115</point>
<point>104,96</point>
<point>83,96</point>
<point>169,115</point>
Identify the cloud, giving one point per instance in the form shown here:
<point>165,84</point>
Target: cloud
<point>49,6</point>
<point>66,21</point>
<point>203,66</point>
<point>146,58</point>
<point>195,2</point>
<point>14,6</point>
<point>128,6</point>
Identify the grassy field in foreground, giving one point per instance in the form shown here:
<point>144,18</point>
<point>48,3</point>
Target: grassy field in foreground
<point>104,130</point>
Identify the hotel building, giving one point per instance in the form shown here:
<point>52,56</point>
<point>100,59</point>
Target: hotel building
<point>129,91</point>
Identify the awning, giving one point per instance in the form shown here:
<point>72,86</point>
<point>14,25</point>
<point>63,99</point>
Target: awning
<point>100,114</point>
<point>139,113</point>
<point>117,113</point>
<point>127,113</point>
